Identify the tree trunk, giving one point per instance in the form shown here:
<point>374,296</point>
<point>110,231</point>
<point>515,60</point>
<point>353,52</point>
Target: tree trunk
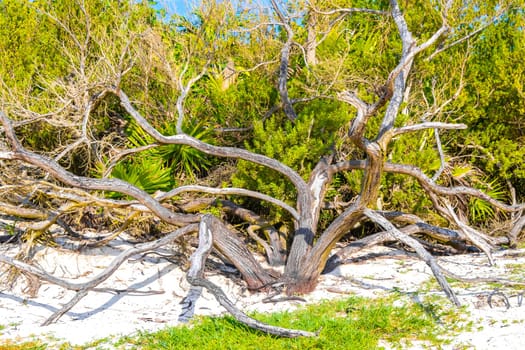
<point>302,274</point>
<point>235,250</point>
<point>303,279</point>
<point>311,43</point>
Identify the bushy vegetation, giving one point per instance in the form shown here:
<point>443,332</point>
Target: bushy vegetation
<point>33,49</point>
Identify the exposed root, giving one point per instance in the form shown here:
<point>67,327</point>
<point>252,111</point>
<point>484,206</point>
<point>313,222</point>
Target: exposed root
<point>195,278</point>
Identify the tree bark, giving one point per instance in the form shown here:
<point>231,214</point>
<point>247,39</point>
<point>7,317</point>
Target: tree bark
<point>311,39</point>
<point>235,250</point>
<point>276,250</point>
<point>207,230</point>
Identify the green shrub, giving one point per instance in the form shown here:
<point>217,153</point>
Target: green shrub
<point>148,174</point>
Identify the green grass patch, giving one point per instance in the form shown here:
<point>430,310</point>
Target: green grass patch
<point>354,323</point>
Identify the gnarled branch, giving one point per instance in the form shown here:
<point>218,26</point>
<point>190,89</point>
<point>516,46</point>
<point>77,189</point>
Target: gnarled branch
<point>429,185</point>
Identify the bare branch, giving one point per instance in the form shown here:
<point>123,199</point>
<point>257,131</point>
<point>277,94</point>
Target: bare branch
<point>195,278</point>
<point>442,161</point>
<point>396,82</point>
<point>516,229</point>
<point>228,152</point>
<point>352,99</point>
<point>309,51</point>
<point>347,10</point>
<point>26,213</point>
<point>257,66</point>
<point>7,154</point>
<point>320,177</point>
<point>364,112</point>
<point>259,25</point>
<point>275,108</point>
<point>229,191</point>
<point>471,234</point>
<point>427,125</point>
<point>468,36</point>
<point>75,195</point>
<point>438,233</point>
<point>99,67</point>
<point>65,176</point>
<point>45,117</point>
<point>436,110</point>
<point>84,138</point>
<point>339,227</point>
<point>116,158</point>
<point>347,165</point>
<point>68,30</point>
<point>276,251</point>
<point>429,185</point>
<point>283,66</point>
<point>282,17</point>
<point>184,90</point>
<point>420,250</point>
<point>197,260</point>
<point>83,288</point>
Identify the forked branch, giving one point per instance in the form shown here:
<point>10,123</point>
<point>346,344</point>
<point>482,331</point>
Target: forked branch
<point>227,152</point>
<point>431,186</point>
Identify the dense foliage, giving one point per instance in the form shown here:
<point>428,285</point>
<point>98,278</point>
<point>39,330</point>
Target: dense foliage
<point>40,42</point>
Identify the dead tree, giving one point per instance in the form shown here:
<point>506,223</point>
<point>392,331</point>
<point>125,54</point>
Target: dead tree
<point>310,250</point>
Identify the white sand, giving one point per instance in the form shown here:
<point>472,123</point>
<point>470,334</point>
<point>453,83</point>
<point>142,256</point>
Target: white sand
<point>101,315</point>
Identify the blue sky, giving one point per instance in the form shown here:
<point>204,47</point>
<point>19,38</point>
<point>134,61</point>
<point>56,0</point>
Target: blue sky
<point>180,7</point>
<point>183,7</point>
